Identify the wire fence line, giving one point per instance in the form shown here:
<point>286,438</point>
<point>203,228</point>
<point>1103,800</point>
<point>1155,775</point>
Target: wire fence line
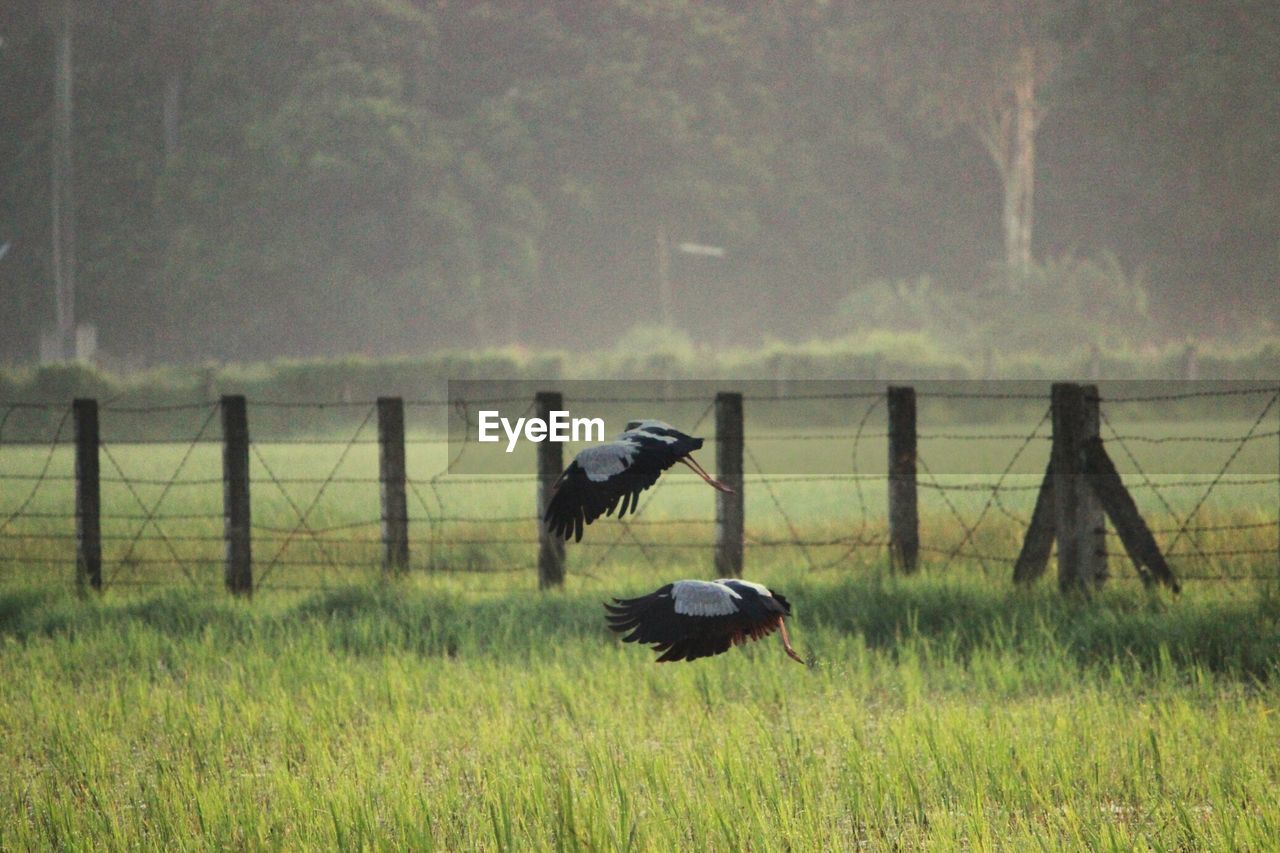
<point>317,518</point>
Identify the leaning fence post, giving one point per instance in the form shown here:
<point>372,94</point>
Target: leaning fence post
<point>1037,544</point>
<point>235,494</point>
<point>1078,519</point>
<point>904,513</point>
<point>729,505</point>
<point>1094,522</point>
<point>550,465</point>
<point>1130,526</point>
<point>391,476</point>
<point>88,495</point>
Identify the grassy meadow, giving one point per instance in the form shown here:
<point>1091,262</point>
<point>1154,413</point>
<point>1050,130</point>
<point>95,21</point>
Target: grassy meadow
<point>457,708</point>
<point>429,713</point>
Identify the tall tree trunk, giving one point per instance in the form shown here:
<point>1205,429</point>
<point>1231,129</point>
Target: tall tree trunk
<point>1007,129</point>
<point>1022,174</point>
<point>62,193</point>
<point>169,47</point>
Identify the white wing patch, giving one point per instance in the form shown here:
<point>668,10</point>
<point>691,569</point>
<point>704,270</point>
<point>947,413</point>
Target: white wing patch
<point>603,461</point>
<point>758,587</point>
<point>703,598</point>
<point>646,425</point>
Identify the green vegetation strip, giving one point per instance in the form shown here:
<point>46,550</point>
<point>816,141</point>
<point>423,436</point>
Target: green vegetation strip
<point>939,710</point>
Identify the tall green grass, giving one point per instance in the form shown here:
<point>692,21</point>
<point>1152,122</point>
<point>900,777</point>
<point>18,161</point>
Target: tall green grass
<point>457,708</point>
<point>937,711</point>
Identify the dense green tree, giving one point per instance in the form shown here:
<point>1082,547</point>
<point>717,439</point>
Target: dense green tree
<point>385,176</point>
<point>982,67</point>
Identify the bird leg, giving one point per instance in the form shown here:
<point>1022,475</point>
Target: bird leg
<point>711,481</point>
<point>786,643</point>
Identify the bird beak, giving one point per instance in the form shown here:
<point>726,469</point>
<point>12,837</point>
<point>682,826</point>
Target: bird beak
<point>701,472</point>
<point>786,643</point>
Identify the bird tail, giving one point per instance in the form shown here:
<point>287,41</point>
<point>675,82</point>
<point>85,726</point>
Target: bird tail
<point>625,614</point>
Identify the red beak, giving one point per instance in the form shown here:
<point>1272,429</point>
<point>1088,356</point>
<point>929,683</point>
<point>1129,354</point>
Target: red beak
<point>711,481</point>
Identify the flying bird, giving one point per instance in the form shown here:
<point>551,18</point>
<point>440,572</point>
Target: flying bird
<point>619,470</point>
<point>690,619</point>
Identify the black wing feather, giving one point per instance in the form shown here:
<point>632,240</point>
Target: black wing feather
<point>577,500</point>
<point>652,620</point>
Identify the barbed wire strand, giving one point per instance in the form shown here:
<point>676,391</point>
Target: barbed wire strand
<point>305,514</point>
<point>986,507</point>
<point>773,496</point>
<point>150,512</point>
<point>858,540</point>
<point>437,517</point>
<point>1133,460</point>
<point>1191,395</point>
<point>968,532</point>
<point>662,482</point>
<point>864,511</point>
<point>44,470</point>
<point>1182,528</point>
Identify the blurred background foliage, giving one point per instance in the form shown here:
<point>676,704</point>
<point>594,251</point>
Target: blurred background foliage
<point>391,177</point>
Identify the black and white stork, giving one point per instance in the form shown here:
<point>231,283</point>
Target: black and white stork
<point>690,619</point>
<point>621,469</point>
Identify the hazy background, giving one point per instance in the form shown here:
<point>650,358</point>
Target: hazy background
<point>256,179</point>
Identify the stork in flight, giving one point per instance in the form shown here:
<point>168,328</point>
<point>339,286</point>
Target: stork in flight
<point>621,469</point>
<point>690,619</point>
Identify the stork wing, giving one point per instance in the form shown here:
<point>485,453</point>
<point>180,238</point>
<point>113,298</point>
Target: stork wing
<point>686,620</point>
<point>599,477</point>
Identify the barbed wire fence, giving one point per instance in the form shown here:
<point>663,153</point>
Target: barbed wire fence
<point>319,497</point>
<point>1193,540</point>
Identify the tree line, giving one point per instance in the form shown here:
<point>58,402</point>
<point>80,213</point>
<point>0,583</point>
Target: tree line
<point>255,179</point>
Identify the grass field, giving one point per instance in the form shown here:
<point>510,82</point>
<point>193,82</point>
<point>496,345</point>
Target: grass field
<point>462,710</point>
<point>430,714</point>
